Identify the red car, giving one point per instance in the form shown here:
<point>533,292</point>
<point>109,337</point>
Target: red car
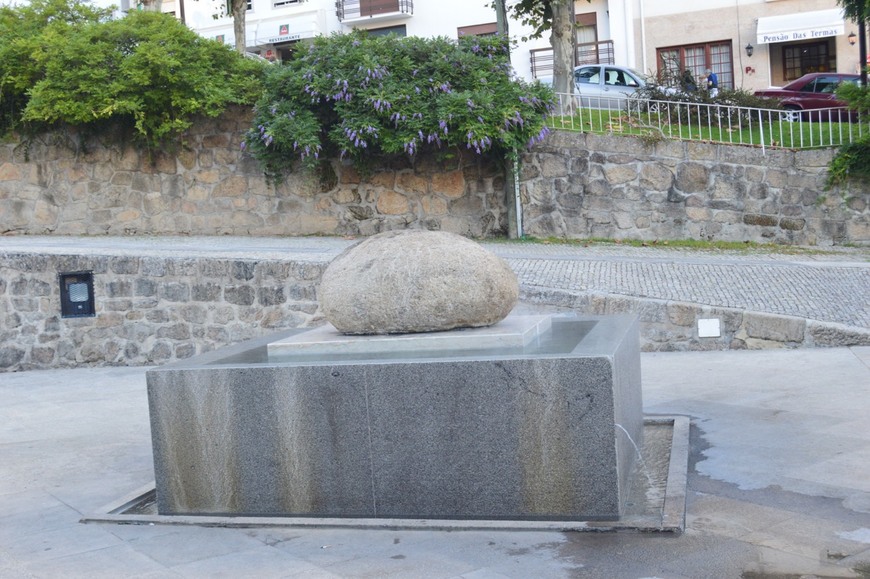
<point>809,92</point>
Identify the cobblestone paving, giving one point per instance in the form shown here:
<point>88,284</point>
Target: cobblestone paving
<point>830,285</point>
<point>830,294</point>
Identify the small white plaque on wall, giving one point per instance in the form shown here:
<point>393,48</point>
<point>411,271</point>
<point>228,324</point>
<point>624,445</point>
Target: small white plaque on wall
<point>709,328</point>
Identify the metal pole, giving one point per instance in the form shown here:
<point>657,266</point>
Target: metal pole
<point>519,208</point>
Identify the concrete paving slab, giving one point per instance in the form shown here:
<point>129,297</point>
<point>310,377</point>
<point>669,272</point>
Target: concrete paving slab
<point>254,563</point>
<point>771,560</point>
<point>862,353</point>
<point>799,517</point>
<point>809,537</point>
<point>108,563</point>
<point>58,543</point>
<point>730,385</point>
<point>732,518</point>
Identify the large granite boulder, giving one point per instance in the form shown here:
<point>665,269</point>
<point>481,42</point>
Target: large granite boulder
<point>416,281</point>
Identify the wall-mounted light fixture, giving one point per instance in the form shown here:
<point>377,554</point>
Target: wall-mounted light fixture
<point>76,294</point>
<point>749,49</point>
<point>853,38</point>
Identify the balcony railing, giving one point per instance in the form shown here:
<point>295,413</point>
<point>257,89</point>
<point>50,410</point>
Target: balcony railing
<point>357,9</point>
<point>586,53</point>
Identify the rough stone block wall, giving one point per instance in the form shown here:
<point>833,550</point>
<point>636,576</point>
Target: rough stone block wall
<point>604,186</point>
<point>71,185</point>
<point>573,186</point>
<point>149,310</point>
<point>154,309</point>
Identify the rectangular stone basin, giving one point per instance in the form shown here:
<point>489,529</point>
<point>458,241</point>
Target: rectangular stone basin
<point>537,417</point>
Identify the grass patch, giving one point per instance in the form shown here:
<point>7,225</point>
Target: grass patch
<point>691,244</point>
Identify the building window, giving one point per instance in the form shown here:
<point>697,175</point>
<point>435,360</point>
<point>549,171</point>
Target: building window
<point>397,30</point>
<point>802,59</point>
<point>283,3</point>
<point>697,58</point>
<point>477,30</point>
<point>588,49</point>
<point>587,27</point>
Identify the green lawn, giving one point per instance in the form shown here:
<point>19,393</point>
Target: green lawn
<point>770,131</point>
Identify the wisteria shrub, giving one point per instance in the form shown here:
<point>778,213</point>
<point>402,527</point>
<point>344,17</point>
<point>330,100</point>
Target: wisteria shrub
<point>362,98</point>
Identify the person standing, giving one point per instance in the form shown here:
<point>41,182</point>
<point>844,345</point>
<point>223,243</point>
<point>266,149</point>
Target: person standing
<point>688,81</point>
<point>712,83</point>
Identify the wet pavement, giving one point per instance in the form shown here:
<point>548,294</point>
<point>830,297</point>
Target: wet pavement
<point>779,464</point>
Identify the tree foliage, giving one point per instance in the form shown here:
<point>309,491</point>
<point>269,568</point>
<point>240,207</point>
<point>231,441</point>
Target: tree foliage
<point>855,9</point>
<point>852,161</point>
<point>535,13</point>
<point>557,17</point>
<point>146,70</point>
<point>21,29</point>
<point>360,97</point>
<point>538,14</point>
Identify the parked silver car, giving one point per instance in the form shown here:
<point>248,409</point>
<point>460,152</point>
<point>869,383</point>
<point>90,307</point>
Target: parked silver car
<point>606,85</point>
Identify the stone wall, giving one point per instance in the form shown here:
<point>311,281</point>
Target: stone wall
<point>154,309</point>
<point>149,310</point>
<point>600,186</point>
<point>67,184</point>
<point>572,185</point>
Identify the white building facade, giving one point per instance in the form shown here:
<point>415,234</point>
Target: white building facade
<point>274,28</point>
<point>750,44</point>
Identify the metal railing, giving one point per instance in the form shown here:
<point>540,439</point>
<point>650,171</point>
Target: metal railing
<point>585,53</point>
<point>715,123</point>
<point>351,9</point>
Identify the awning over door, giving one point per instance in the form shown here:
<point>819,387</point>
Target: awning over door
<point>801,26</point>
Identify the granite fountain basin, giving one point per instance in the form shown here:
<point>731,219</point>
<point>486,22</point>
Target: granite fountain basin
<point>534,418</point>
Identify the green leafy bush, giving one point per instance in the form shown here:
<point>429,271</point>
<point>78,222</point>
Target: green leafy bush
<point>734,99</point>
<point>360,97</point>
<point>21,29</point>
<point>146,71</point>
<point>852,160</point>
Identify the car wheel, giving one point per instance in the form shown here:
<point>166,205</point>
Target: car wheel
<point>790,115</point>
